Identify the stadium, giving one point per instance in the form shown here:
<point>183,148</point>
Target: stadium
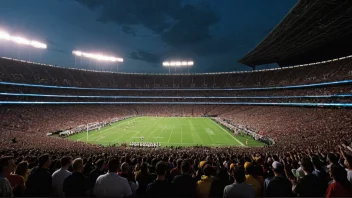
<point>223,121</point>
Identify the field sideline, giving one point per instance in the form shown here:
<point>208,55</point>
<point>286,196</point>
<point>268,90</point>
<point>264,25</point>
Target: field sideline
<point>169,131</point>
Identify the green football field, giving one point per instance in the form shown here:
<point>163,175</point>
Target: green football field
<point>169,131</point>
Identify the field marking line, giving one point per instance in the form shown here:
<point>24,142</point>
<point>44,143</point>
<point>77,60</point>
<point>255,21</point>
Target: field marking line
<point>192,132</point>
<point>148,135</point>
<point>154,127</point>
<point>116,124</point>
<point>91,136</point>
<point>193,129</point>
<point>99,139</point>
<point>181,133</point>
<point>167,128</point>
<point>112,127</point>
<point>171,134</point>
<point>207,132</point>
<point>229,134</point>
<point>136,132</point>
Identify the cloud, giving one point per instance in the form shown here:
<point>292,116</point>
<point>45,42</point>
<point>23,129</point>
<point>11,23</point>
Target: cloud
<point>128,30</point>
<point>146,56</point>
<point>154,14</point>
<point>182,27</point>
<point>192,27</point>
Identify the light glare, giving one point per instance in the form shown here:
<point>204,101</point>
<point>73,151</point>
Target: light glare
<point>190,63</point>
<point>37,44</point>
<point>177,63</point>
<point>5,35</point>
<point>98,57</point>
<point>20,40</point>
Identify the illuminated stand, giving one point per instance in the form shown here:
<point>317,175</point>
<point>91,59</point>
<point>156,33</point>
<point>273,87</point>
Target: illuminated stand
<point>177,64</point>
<point>98,57</point>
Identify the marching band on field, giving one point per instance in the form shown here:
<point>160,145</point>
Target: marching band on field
<point>145,144</point>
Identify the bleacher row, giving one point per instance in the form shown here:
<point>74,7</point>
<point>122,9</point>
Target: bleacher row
<point>26,82</point>
<point>17,71</point>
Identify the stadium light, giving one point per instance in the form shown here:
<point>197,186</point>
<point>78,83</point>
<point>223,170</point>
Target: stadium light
<point>21,40</point>
<point>99,57</point>
<point>177,63</point>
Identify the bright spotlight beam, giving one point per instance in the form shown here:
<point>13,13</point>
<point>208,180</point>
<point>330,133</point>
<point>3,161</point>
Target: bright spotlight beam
<point>21,40</point>
<point>178,63</point>
<point>98,57</point>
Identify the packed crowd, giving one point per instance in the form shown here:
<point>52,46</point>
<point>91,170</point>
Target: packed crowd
<point>324,94</point>
<point>178,172</point>
<point>15,71</point>
<point>240,130</point>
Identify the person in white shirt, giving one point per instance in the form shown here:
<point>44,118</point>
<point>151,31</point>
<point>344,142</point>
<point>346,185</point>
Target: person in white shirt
<point>111,184</point>
<point>59,176</point>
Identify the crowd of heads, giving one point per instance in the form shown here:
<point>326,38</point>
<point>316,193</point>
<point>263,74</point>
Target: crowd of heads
<point>180,172</point>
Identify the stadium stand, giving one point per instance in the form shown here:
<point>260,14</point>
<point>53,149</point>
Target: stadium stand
<point>322,24</point>
<point>297,132</point>
<point>311,156</point>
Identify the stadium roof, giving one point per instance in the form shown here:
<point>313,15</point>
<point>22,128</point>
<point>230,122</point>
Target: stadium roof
<point>313,30</point>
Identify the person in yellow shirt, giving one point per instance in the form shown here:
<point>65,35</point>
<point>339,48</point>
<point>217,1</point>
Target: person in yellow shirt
<point>251,179</point>
<point>204,184</point>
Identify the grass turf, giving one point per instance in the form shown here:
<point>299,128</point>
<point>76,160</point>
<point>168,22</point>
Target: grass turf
<point>169,131</point>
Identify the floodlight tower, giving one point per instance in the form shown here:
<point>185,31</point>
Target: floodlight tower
<point>4,35</point>
<point>98,57</point>
<point>179,64</point>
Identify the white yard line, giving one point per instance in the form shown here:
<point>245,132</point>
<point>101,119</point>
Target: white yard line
<point>193,129</point>
<point>128,132</point>
<point>108,128</point>
<point>99,138</point>
<point>208,134</point>
<point>181,134</point>
<point>171,134</point>
<point>147,137</point>
<point>230,134</point>
<point>155,127</point>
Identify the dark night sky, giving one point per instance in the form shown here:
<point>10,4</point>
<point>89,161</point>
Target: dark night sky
<point>213,33</point>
